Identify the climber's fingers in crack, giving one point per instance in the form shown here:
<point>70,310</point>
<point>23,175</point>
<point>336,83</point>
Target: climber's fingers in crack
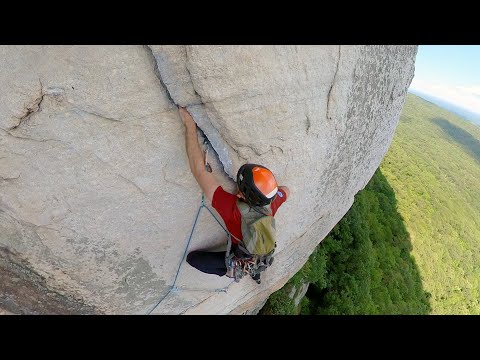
<point>186,117</point>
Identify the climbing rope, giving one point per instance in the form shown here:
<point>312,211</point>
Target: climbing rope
<point>202,205</point>
<point>173,287</point>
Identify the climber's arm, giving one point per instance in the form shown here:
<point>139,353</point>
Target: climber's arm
<point>206,180</point>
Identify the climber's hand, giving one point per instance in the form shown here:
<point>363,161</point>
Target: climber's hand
<point>186,117</point>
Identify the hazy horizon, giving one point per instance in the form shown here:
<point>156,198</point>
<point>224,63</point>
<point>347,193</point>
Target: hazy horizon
<point>445,104</point>
<point>449,74</point>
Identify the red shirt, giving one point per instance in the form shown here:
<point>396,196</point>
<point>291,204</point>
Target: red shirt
<point>226,205</point>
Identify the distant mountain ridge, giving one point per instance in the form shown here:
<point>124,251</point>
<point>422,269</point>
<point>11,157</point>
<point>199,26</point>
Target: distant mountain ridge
<point>466,114</point>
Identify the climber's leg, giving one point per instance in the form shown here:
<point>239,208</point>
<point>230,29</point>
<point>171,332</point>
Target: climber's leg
<point>208,262</point>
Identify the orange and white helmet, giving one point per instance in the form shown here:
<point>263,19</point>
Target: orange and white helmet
<point>257,184</point>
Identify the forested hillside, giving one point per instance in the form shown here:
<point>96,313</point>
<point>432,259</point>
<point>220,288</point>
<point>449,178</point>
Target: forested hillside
<point>411,241</point>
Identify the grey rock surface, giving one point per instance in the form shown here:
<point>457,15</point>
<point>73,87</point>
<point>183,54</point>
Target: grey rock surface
<point>96,197</point>
<point>297,294</point>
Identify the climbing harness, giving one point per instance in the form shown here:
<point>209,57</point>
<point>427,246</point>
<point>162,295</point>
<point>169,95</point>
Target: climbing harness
<point>251,265</point>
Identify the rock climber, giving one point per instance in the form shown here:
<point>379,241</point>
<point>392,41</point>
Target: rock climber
<point>256,187</point>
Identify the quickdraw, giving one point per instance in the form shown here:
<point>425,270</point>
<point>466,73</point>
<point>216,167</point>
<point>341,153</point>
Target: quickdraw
<point>242,267</point>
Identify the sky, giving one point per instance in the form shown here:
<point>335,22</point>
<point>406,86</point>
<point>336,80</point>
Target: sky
<point>449,72</point>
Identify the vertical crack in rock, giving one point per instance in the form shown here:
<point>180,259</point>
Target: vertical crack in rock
<point>224,160</point>
<point>156,70</point>
<point>333,83</point>
<point>31,109</point>
<point>198,112</point>
<point>215,144</point>
<point>202,102</point>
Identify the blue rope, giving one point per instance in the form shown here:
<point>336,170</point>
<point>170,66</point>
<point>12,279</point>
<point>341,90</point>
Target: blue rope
<point>202,205</point>
<point>210,211</point>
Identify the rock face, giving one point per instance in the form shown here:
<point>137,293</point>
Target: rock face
<point>297,294</point>
<point>96,197</point>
